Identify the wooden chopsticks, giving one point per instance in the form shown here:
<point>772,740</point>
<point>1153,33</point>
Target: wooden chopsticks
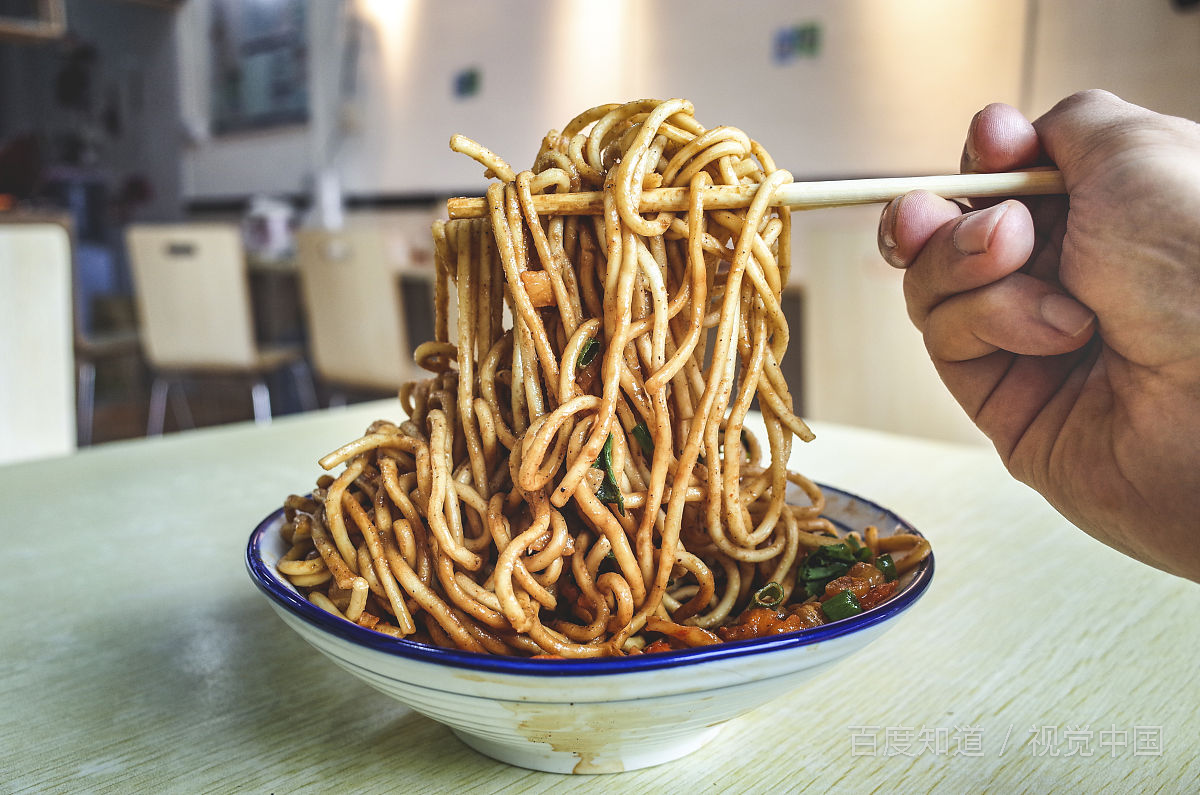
<point>797,195</point>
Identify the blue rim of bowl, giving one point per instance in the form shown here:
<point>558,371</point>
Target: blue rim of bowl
<point>280,592</point>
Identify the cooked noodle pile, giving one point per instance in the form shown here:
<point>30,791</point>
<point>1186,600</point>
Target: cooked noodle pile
<point>580,481</point>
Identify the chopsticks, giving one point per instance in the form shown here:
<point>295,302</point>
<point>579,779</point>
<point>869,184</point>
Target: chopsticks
<point>797,195</point>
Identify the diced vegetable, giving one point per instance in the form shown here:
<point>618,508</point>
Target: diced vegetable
<point>609,492</point>
<point>885,564</point>
<point>769,596</point>
<point>861,553</point>
<point>843,605</point>
<point>642,434</point>
<point>824,564</point>
<point>587,352</point>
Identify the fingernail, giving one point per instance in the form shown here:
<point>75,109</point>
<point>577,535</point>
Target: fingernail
<point>1066,314</point>
<point>973,234</point>
<point>970,158</point>
<point>887,233</point>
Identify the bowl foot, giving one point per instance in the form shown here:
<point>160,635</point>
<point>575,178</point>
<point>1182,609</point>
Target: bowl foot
<point>607,758</point>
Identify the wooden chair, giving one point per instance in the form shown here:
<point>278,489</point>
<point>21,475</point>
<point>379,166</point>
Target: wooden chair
<point>351,292</point>
<point>196,317</point>
<point>37,382</point>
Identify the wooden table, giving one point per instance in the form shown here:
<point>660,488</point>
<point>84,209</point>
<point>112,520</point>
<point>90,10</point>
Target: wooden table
<point>138,656</point>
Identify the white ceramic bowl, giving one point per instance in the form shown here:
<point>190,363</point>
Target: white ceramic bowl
<point>588,716</point>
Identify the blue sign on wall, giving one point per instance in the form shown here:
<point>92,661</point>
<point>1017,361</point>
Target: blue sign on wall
<point>797,41</point>
<point>468,82</point>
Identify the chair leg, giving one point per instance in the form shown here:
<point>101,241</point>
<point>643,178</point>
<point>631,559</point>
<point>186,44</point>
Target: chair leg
<point>306,388</point>
<point>260,394</point>
<point>181,409</point>
<point>85,403</point>
<point>158,406</point>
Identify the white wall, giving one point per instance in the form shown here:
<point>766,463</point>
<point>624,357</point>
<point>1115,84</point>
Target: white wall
<point>889,92</point>
<point>531,83</point>
<point>1146,52</point>
<point>397,127</point>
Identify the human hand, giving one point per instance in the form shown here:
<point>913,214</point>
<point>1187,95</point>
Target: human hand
<point>1068,328</point>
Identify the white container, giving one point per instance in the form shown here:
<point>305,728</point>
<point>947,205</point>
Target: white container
<point>596,715</point>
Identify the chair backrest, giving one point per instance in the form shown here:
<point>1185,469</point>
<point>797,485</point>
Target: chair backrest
<point>351,294</point>
<point>37,375</point>
<point>193,295</point>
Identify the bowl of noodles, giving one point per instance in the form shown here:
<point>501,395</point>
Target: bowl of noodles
<point>581,548</point>
<point>591,715</point>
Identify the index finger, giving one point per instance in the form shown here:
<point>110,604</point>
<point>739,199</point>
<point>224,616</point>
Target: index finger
<point>1000,138</point>
<point>981,248</point>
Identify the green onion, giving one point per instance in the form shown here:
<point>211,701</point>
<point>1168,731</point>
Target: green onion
<point>607,563</point>
<point>609,492</point>
<point>862,553</point>
<point>605,459</point>
<point>642,434</point>
<point>844,605</point>
<point>588,351</point>
<point>769,596</point>
<point>824,564</point>
<point>885,564</point>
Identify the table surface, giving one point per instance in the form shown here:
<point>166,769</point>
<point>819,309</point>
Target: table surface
<point>138,656</point>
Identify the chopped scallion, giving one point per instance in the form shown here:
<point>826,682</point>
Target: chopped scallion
<point>609,492</point>
<point>588,351</point>
<point>888,566</point>
<point>769,596</point>
<point>843,605</point>
<point>824,564</point>
<point>644,440</point>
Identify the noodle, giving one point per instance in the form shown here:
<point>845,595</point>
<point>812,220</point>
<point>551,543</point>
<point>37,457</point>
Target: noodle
<point>580,483</point>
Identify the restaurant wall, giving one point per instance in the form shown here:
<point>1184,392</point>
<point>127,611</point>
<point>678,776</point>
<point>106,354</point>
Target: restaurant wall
<point>887,89</point>
<point>881,88</point>
<point>233,166</point>
<point>1146,52</point>
<point>410,90</point>
<point>857,87</point>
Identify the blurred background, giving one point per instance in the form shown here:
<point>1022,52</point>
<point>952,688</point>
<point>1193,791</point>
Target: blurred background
<point>285,149</point>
